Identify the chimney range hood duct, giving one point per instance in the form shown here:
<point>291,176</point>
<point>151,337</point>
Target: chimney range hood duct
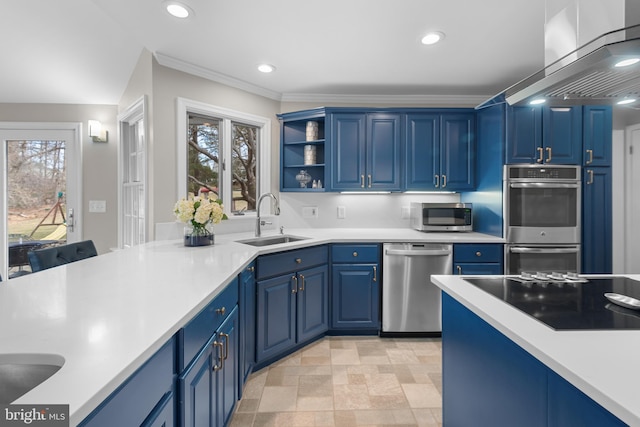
<point>591,79</point>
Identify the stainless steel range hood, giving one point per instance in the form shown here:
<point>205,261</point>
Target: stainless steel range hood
<point>592,78</point>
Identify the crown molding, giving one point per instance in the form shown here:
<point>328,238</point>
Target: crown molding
<point>437,100</point>
<point>423,100</point>
<point>205,73</point>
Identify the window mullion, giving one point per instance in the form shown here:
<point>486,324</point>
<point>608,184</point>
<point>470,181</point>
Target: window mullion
<point>226,183</point>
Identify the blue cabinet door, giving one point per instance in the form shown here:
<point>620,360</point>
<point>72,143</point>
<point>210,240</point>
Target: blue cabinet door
<point>247,297</point>
<point>383,152</point>
<point>348,151</point>
<point>524,135</point>
<point>227,373</point>
<point>597,138</point>
<point>312,303</point>
<point>562,135</point>
<point>197,389</point>
<point>275,315</point>
<point>164,414</point>
<point>355,296</point>
<point>596,220</point>
<point>422,151</point>
<point>457,162</point>
<point>478,268</point>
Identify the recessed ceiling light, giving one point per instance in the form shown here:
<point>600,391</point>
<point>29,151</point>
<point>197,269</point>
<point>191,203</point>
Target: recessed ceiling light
<point>432,37</point>
<point>177,9</point>
<point>627,62</point>
<point>537,101</point>
<point>266,68</point>
<point>626,101</point>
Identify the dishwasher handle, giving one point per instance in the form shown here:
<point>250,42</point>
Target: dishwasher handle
<point>418,252</point>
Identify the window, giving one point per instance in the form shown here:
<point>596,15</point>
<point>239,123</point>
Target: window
<point>227,153</point>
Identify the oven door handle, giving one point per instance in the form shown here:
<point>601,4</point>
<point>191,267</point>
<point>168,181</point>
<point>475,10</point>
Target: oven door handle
<point>544,250</point>
<point>542,185</point>
<point>418,252</point>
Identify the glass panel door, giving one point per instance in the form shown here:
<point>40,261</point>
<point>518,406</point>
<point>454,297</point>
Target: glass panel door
<point>38,209</point>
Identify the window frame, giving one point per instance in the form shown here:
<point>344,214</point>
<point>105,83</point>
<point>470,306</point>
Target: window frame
<point>227,116</point>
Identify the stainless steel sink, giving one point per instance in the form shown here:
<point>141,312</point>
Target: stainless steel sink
<point>271,240</point>
<point>20,373</point>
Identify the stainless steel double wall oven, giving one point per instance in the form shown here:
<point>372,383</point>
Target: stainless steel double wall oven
<point>542,218</point>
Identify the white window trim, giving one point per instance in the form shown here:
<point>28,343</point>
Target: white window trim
<point>184,106</point>
<point>136,111</point>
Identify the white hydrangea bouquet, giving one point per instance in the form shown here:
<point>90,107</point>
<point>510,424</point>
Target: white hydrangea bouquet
<point>199,213</point>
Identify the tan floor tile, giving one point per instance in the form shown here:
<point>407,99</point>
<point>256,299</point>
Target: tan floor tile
<point>315,385</point>
<point>425,418</point>
<point>344,356</point>
<point>374,360</point>
<point>315,360</point>
<point>278,399</point>
<point>351,397</point>
<point>383,385</point>
<point>340,375</point>
<point>345,419</point>
<point>248,405</point>
<point>357,379</point>
<point>242,420</point>
<point>386,417</point>
<point>314,403</point>
<point>422,395</point>
<point>402,356</point>
<point>362,369</point>
<point>389,402</point>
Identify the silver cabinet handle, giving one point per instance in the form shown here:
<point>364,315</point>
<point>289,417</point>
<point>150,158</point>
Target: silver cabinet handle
<point>294,279</point>
<point>375,273</point>
<point>444,181</point>
<point>301,283</point>
<point>218,347</point>
<point>369,180</point>
<point>590,181</point>
<point>362,181</point>
<point>437,180</point>
<point>548,154</point>
<point>590,153</point>
<point>459,269</point>
<point>540,159</point>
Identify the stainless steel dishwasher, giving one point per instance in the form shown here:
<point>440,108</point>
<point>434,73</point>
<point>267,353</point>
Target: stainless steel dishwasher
<point>411,304</point>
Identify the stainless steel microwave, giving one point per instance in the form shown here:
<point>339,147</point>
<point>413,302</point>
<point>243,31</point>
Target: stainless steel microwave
<point>441,216</point>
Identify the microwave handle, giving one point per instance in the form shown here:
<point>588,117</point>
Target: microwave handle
<point>542,185</point>
<point>544,250</point>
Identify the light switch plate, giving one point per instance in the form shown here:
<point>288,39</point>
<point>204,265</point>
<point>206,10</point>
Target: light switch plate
<point>405,212</point>
<point>342,212</point>
<point>97,206</point>
<point>310,212</point>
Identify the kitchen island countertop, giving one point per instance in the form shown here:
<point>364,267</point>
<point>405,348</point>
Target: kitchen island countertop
<point>108,314</point>
<point>602,364</point>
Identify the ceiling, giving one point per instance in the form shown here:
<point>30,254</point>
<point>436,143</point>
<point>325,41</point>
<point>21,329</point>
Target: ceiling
<point>83,51</point>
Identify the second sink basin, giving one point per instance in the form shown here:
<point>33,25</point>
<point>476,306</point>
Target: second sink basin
<point>271,240</point>
<point>20,373</point>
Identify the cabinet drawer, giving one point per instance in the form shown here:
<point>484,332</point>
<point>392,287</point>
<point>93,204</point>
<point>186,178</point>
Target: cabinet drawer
<point>477,252</point>
<point>355,253</point>
<point>290,261</point>
<point>198,331</point>
<point>137,397</point>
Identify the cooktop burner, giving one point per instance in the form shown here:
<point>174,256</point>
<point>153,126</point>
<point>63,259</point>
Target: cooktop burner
<point>569,302</point>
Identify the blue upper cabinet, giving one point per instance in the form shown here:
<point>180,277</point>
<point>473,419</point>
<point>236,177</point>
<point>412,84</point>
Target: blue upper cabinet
<point>544,135</point>
<point>365,151</point>
<point>440,151</point>
<point>597,125</point>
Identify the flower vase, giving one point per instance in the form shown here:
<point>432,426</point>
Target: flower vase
<point>199,236</point>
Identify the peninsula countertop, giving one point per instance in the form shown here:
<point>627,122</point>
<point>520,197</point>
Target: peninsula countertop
<point>603,364</point>
<point>108,314</point>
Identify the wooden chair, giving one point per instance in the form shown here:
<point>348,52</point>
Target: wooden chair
<point>43,259</point>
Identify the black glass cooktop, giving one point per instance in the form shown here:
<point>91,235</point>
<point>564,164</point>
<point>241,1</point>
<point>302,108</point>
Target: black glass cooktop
<point>568,306</point>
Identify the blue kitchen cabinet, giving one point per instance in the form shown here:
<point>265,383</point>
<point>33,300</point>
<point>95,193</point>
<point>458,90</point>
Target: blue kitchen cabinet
<point>293,143</point>
<point>355,288</point>
<point>597,136</point>
<point>544,135</point>
<point>488,380</point>
<point>247,306</point>
<point>209,385</point>
<point>596,221</point>
<point>146,398</point>
<point>440,151</point>
<point>365,151</point>
<point>208,362</point>
<point>478,258</point>
<point>292,301</point>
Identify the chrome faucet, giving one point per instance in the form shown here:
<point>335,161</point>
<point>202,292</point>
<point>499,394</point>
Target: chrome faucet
<point>259,222</point>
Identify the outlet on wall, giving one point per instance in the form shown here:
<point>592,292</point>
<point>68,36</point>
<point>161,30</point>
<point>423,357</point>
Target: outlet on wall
<point>310,212</point>
<point>342,212</point>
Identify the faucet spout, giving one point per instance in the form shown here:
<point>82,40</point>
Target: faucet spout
<point>259,222</point>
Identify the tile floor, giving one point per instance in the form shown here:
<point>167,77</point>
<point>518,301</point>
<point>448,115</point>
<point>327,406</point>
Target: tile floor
<point>348,381</point>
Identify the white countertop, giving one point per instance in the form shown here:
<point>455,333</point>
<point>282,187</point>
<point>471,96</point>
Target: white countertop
<point>108,314</point>
<point>602,364</point>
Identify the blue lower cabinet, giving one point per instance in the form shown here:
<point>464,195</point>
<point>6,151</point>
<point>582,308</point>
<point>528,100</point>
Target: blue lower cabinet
<point>596,221</point>
<point>355,297</point>
<point>247,306</point>
<point>209,385</point>
<point>478,258</point>
<point>488,380</point>
<point>145,398</point>
<point>291,309</point>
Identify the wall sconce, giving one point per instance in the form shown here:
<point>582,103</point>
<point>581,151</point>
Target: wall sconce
<point>96,132</point>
